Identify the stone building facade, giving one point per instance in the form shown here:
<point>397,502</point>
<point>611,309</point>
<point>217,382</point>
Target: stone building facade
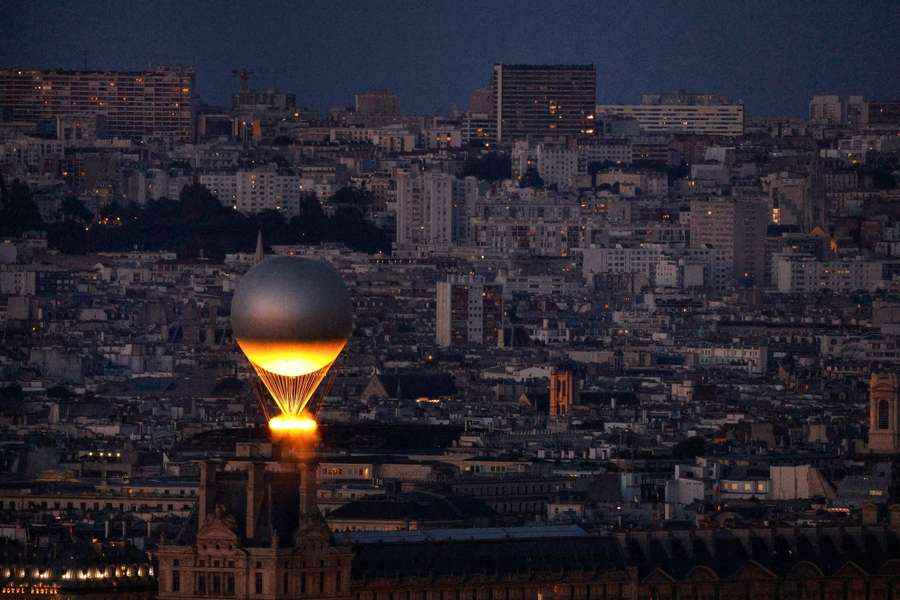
<point>884,413</point>
<point>261,537</point>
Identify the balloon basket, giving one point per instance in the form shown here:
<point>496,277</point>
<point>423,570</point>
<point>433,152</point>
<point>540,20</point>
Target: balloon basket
<point>296,436</point>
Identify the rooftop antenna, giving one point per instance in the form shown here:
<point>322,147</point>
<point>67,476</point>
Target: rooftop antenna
<point>84,56</point>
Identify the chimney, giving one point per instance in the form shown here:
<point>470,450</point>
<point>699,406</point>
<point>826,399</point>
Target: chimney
<point>870,513</point>
<point>894,516</point>
<point>207,490</point>
<point>255,495</point>
<point>309,509</point>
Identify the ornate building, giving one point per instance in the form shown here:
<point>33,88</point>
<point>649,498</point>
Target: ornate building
<point>884,413</point>
<point>261,537</point>
<point>562,391</point>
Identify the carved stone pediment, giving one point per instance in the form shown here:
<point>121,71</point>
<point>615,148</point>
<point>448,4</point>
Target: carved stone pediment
<point>755,572</point>
<point>850,569</point>
<point>805,570</point>
<point>218,527</point>
<point>658,576</point>
<point>890,567</point>
<point>700,574</point>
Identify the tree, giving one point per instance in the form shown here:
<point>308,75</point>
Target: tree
<point>692,447</point>
<point>532,179</point>
<point>310,222</point>
<point>595,167</point>
<point>197,224</point>
<point>350,228</point>
<point>273,226</point>
<point>59,391</point>
<point>492,166</point>
<point>19,213</point>
<point>198,204</point>
<point>12,393</point>
<point>73,209</point>
<point>357,198</point>
<point>69,237</point>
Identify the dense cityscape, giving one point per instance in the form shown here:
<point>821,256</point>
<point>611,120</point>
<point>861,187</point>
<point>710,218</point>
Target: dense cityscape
<point>589,350</point>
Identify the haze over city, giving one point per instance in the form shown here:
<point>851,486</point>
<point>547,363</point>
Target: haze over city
<point>772,55</point>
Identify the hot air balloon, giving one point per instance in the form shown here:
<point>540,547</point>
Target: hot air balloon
<point>291,317</point>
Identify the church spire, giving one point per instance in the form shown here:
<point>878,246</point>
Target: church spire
<point>258,258</point>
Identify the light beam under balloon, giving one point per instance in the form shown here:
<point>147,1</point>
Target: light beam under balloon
<point>291,317</point>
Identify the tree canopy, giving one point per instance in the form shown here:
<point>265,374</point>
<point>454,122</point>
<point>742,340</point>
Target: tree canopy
<point>197,224</point>
<point>492,166</point>
<point>18,212</point>
<point>532,179</point>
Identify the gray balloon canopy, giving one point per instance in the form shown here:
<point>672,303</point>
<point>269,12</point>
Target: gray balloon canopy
<point>288,298</point>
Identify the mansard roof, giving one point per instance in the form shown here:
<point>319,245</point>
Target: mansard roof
<point>679,555</point>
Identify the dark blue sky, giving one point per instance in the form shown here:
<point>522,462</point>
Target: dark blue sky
<point>772,54</point>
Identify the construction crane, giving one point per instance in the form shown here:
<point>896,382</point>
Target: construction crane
<point>244,75</point>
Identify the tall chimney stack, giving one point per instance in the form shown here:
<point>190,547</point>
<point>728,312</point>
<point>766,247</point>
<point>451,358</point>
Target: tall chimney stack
<point>255,494</point>
<point>207,490</point>
<point>309,508</point>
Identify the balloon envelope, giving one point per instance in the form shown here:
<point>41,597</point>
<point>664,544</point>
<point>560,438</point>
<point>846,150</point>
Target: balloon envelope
<point>291,317</point>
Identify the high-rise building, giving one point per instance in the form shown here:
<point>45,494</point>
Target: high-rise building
<point>254,191</point>
<point>855,111</point>
<point>469,311</point>
<point>378,103</point>
<point>686,98</point>
<point>680,112</point>
<point>884,413</point>
<point>826,110</point>
<point>432,208</point>
<point>481,100</point>
<point>737,227</point>
<point>558,164</point>
<point>883,113</point>
<point>797,199</point>
<point>424,209</point>
<point>131,104</point>
<point>542,101</point>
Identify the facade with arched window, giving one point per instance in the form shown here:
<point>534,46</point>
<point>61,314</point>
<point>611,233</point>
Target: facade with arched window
<point>884,413</point>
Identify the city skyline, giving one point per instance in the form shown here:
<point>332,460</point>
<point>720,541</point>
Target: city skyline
<point>771,56</point>
<point>609,333</point>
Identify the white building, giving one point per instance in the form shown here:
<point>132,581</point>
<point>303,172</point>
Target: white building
<point>826,110</point>
<point>258,190</point>
<point>557,165</point>
<point>751,359</point>
<point>664,265</point>
<point>634,183</point>
<point>433,208</point>
<point>616,151</point>
<point>389,139</point>
<point>803,274</point>
<point>716,119</point>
